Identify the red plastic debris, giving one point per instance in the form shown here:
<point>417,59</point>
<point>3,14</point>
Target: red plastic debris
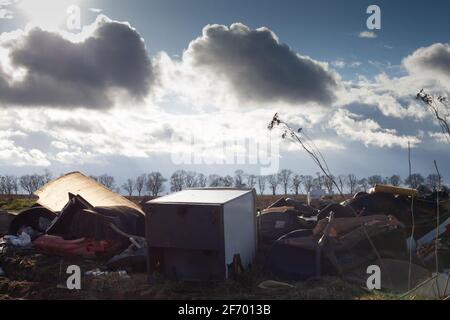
<point>86,248</point>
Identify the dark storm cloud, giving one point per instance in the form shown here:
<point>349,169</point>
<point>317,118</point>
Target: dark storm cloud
<point>62,73</point>
<point>433,58</point>
<point>259,67</point>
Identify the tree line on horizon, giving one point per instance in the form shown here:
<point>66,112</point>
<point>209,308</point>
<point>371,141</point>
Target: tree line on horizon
<point>286,181</point>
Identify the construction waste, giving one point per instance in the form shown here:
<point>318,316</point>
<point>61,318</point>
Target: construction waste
<point>405,234</point>
<point>77,217</point>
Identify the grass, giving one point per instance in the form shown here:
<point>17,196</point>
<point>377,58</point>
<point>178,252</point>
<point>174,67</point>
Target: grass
<point>16,205</point>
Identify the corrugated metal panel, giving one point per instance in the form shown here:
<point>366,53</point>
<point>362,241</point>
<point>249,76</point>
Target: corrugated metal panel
<point>203,196</point>
<point>55,194</point>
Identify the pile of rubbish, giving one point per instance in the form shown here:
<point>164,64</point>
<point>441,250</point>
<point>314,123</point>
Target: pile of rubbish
<point>407,235</point>
<point>77,217</point>
<point>391,227</point>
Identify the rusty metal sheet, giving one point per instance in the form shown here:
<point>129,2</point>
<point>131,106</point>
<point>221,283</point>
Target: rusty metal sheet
<point>55,194</point>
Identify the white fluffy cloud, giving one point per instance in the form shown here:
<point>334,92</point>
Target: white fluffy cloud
<point>432,62</point>
<point>367,34</point>
<point>6,14</point>
<point>368,131</point>
<point>19,156</point>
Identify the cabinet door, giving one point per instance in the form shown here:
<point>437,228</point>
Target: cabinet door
<point>185,226</point>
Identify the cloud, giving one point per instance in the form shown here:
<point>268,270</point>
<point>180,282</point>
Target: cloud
<point>439,137</point>
<point>258,67</point>
<point>368,131</point>
<point>10,153</point>
<point>367,34</point>
<point>59,145</point>
<point>165,133</point>
<point>6,14</point>
<point>430,61</point>
<point>76,157</point>
<point>339,63</point>
<point>235,61</point>
<point>91,73</point>
<point>96,10</point>
<point>394,96</point>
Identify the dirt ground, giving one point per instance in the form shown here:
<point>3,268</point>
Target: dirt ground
<point>35,276</point>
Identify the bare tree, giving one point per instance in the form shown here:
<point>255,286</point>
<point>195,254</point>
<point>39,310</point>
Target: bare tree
<point>190,179</point>
<point>319,181</point>
<point>342,181</point>
<point>376,179</point>
<point>202,180</point>
<point>308,183</point>
<point>296,183</point>
<point>177,180</point>
<point>25,183</point>
<point>37,181</point>
<point>8,185</point>
<point>239,176</point>
<point>155,183</point>
<point>31,183</point>
<point>227,181</point>
<point>107,181</point>
<point>395,180</point>
<point>364,184</point>
<point>251,180</point>
<point>328,182</point>
<point>285,179</point>
<point>352,183</point>
<point>140,183</point>
<point>261,181</point>
<point>15,184</point>
<point>274,181</point>
<point>128,186</point>
<point>415,180</point>
<point>214,180</point>
<point>2,185</point>
<point>433,181</point>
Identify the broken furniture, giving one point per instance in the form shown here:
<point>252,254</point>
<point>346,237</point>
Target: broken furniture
<point>198,234</point>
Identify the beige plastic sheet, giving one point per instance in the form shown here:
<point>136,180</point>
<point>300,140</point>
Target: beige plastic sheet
<point>55,194</point>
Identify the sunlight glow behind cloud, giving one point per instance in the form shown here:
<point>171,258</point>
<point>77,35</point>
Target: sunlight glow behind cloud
<point>48,14</point>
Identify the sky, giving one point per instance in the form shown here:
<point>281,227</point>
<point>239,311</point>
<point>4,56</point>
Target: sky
<point>140,86</point>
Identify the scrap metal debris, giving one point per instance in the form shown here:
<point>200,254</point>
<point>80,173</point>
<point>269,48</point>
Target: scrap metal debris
<point>338,238</point>
<point>77,218</point>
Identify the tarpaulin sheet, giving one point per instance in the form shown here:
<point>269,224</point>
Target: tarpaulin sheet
<point>55,194</point>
